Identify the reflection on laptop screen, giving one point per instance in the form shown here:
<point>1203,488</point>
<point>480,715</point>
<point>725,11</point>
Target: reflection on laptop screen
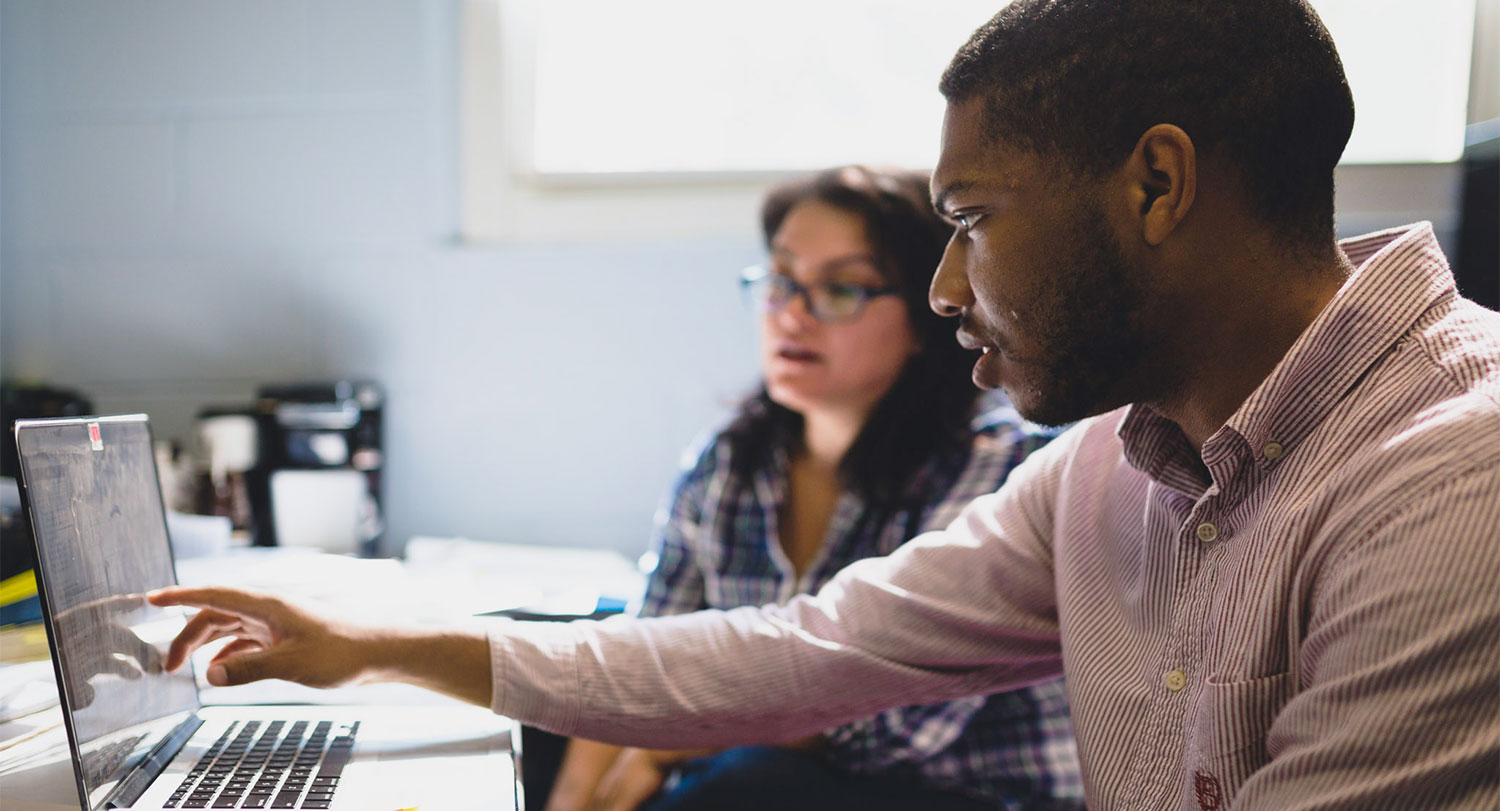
<point>96,511</point>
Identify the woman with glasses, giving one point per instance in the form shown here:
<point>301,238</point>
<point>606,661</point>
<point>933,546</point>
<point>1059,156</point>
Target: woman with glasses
<point>866,431</point>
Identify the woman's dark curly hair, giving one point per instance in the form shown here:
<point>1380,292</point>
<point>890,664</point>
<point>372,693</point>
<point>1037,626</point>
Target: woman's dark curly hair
<point>928,408</point>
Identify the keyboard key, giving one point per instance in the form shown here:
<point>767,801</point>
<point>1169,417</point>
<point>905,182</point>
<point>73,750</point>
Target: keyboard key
<point>333,764</point>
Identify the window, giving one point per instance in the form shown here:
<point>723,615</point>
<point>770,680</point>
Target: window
<point>689,86</point>
<point>1409,73</point>
<point>671,115</point>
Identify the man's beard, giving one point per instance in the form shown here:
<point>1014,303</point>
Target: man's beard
<point>1092,347</point>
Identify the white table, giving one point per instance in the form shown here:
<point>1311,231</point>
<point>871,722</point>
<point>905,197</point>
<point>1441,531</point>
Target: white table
<point>443,582</point>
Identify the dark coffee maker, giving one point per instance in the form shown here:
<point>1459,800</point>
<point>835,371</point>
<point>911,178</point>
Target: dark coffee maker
<point>316,478</point>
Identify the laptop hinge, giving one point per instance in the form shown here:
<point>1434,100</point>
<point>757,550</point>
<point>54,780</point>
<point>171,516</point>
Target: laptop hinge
<point>135,783</point>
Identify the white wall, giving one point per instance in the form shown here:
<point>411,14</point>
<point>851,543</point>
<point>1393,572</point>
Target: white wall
<point>199,196</point>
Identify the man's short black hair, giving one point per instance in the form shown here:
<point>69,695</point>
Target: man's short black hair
<point>1256,82</point>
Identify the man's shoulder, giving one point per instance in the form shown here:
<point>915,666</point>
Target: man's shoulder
<point>1459,343</point>
<point>1425,417</point>
<point>1437,395</point>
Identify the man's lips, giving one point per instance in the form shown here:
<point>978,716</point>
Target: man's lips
<point>988,372</point>
<point>969,341</point>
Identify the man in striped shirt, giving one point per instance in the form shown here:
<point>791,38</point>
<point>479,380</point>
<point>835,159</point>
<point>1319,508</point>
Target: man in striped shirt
<point>1267,559</point>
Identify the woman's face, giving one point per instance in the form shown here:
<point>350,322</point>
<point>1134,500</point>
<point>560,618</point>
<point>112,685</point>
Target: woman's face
<point>812,366</point>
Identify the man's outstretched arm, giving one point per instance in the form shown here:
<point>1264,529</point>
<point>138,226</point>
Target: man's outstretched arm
<point>275,639</point>
<point>964,611</point>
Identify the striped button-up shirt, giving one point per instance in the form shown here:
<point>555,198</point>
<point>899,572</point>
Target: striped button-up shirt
<point>1305,614</point>
<point>717,546</point>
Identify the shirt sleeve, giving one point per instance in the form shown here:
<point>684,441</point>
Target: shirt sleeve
<point>966,610</point>
<point>676,584</point>
<point>921,732</point>
<point>1400,627</point>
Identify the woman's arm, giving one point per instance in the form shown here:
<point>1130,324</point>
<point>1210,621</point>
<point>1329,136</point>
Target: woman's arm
<point>583,766</point>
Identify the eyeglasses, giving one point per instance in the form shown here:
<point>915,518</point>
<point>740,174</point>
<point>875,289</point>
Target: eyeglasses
<point>828,302</point>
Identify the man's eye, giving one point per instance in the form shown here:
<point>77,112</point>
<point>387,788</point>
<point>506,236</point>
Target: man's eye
<point>966,221</point>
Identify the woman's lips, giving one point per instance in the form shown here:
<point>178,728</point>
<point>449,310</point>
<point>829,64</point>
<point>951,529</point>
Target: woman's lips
<point>797,353</point>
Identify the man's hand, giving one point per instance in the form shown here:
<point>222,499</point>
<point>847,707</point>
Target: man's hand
<point>272,639</point>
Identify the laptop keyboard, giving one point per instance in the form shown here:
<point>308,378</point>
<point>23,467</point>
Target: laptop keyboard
<point>255,765</point>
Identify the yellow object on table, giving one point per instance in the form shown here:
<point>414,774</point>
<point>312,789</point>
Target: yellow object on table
<point>18,587</point>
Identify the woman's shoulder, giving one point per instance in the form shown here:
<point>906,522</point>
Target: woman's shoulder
<point>999,440</point>
<point>997,426</point>
<point>708,450</point>
<point>712,451</point>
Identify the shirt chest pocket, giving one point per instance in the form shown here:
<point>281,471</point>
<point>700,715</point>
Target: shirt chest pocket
<point>1227,737</point>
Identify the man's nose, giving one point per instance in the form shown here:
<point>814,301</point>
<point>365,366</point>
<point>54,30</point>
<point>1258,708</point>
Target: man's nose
<point>950,293</point>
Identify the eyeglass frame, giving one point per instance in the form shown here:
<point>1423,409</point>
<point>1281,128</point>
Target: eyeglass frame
<point>759,274</point>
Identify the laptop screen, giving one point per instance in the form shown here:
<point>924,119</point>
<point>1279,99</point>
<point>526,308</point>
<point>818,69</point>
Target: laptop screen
<point>96,510</point>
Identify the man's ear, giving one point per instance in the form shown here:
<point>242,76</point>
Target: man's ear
<point>1163,176</point>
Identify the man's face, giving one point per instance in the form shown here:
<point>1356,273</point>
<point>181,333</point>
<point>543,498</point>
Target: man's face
<point>1037,276</point>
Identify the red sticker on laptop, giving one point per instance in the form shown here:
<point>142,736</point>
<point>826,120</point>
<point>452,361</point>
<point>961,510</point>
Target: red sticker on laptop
<point>96,440</point>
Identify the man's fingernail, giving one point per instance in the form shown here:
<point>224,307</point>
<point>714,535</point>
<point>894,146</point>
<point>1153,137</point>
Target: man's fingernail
<point>217,676</point>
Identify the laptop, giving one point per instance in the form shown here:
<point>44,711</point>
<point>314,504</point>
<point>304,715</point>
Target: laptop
<point>141,737</point>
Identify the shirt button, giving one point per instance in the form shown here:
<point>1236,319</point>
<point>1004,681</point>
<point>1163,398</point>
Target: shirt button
<point>1207,532</point>
<point>1175,680</point>
<point>1272,450</point>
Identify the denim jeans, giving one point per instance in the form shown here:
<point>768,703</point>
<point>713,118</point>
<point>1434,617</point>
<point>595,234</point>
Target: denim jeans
<point>762,778</point>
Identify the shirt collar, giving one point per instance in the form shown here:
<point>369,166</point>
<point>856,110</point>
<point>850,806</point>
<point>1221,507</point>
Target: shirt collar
<point>1399,274</point>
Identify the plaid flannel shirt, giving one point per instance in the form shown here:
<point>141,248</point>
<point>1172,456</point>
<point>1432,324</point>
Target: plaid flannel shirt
<point>716,545</point>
